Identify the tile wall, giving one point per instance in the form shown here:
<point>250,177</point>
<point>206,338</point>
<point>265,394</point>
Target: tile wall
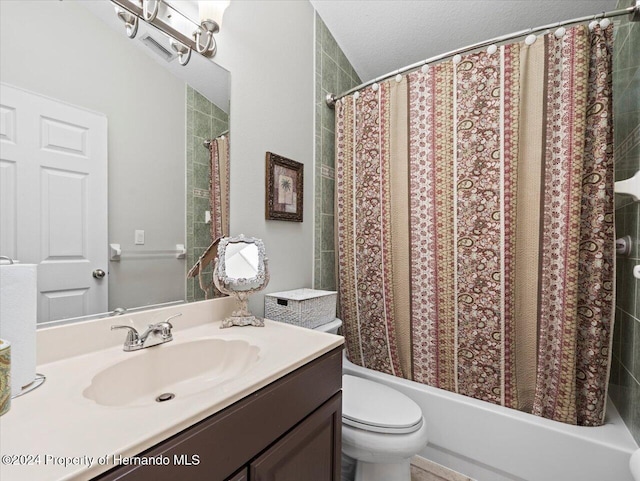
<point>204,121</point>
<point>624,386</point>
<point>334,74</point>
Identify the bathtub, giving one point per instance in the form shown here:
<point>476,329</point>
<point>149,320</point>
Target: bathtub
<point>493,443</point>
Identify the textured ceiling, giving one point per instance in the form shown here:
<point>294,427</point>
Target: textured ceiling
<point>380,36</point>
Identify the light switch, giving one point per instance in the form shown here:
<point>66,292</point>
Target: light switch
<point>207,217</point>
<point>139,237</point>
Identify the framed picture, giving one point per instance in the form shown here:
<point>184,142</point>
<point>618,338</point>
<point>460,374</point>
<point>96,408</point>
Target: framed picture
<point>284,188</point>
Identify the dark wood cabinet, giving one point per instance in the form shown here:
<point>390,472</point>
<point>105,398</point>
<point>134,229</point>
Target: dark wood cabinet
<point>241,476</point>
<point>288,430</point>
<point>311,451</point>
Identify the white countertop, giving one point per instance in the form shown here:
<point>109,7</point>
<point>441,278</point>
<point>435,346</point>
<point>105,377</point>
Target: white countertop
<point>56,424</point>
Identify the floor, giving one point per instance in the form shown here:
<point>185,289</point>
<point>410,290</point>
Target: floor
<point>424,470</point>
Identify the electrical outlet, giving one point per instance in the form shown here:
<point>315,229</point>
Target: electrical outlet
<point>139,237</point>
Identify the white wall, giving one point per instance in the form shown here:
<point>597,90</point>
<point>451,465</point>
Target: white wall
<point>268,47</point>
<point>60,50</point>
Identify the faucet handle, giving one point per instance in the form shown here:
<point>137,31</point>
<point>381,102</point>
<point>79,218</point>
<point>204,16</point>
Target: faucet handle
<point>172,317</point>
<point>165,331</point>
<point>165,327</point>
<point>132,336</point>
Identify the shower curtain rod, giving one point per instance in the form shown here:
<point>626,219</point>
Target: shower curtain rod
<point>207,143</point>
<point>633,11</point>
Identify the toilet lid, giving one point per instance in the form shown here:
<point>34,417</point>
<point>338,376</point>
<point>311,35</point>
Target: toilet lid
<point>375,407</point>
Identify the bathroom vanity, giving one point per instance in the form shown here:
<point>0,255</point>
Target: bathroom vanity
<point>250,403</point>
<point>287,431</point>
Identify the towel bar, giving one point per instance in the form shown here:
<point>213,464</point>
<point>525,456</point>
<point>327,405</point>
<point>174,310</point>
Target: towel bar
<point>116,253</point>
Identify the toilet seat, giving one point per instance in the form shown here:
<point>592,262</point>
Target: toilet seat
<point>377,408</point>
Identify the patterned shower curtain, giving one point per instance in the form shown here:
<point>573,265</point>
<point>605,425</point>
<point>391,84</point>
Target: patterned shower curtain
<point>475,228</point>
<point>219,205</point>
<point>219,187</point>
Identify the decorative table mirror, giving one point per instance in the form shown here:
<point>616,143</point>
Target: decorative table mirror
<point>240,270</point>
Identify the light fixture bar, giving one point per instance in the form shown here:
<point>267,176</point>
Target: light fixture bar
<point>164,20</point>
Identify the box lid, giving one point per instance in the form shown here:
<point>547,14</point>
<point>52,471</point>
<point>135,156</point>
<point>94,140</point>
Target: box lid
<point>300,294</point>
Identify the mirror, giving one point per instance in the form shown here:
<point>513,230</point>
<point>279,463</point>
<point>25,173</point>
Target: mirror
<point>155,115</point>
<point>240,270</point>
<point>241,265</point>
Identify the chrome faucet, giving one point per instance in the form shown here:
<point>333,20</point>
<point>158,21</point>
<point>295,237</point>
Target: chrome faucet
<point>155,334</point>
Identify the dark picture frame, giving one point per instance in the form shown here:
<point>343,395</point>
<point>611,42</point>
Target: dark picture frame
<point>284,188</point>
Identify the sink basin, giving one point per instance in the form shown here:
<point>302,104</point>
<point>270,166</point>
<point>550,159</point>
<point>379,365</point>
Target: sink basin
<point>181,369</point>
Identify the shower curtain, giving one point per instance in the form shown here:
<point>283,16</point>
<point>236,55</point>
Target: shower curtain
<point>219,187</point>
<point>219,205</point>
<point>475,230</point>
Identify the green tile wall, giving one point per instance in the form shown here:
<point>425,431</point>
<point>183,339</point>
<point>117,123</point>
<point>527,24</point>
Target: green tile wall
<point>205,120</point>
<point>624,385</point>
<point>334,74</point>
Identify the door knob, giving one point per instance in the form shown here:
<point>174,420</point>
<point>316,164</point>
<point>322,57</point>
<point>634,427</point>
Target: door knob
<point>99,273</point>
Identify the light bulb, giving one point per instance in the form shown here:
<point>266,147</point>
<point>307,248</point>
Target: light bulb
<point>212,10</point>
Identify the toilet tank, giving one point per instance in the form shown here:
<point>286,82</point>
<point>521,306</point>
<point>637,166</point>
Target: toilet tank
<point>330,327</point>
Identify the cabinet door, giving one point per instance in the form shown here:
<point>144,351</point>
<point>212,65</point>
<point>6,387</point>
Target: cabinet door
<point>240,476</point>
<point>310,452</point>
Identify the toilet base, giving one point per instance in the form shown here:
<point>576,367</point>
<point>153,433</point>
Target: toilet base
<point>348,468</point>
<point>383,471</point>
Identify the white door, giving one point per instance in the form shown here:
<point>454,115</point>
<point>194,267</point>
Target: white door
<point>53,202</point>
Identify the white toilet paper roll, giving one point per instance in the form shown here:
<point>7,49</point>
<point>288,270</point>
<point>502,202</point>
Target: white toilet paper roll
<point>18,317</point>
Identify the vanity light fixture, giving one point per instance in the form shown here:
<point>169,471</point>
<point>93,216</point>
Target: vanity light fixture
<point>185,33</point>
<point>130,21</point>
<point>150,10</point>
<point>184,52</point>
<point>211,13</point>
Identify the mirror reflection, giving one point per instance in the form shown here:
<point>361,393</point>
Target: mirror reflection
<point>113,154</point>
<point>241,260</point>
<point>241,269</point>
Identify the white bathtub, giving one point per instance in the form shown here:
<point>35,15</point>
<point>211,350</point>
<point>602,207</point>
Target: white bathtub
<point>493,443</point>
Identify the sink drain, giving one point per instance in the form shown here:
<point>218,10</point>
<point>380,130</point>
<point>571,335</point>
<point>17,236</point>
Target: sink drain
<point>167,396</point>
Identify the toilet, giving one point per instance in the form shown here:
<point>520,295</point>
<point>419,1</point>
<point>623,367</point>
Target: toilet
<point>381,428</point>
